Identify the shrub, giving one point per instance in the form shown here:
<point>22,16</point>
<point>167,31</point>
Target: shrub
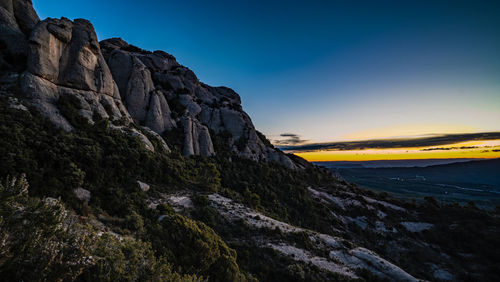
<point>195,247</point>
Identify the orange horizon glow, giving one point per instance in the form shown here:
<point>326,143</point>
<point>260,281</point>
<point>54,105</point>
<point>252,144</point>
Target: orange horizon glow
<point>485,150</point>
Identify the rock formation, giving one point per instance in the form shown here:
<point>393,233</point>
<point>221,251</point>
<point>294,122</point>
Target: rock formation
<point>60,60</point>
<point>145,103</point>
<point>17,19</point>
<point>64,59</point>
<point>162,94</point>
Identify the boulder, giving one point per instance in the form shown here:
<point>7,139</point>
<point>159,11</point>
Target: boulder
<point>64,60</point>
<point>143,186</point>
<point>83,195</point>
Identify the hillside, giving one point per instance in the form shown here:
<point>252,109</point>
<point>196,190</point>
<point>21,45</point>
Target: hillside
<point>118,164</point>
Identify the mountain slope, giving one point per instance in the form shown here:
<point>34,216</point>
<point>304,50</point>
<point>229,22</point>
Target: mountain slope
<point>65,62</point>
<point>126,167</point>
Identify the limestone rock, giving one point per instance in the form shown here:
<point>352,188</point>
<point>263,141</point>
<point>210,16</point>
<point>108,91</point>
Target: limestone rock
<point>14,103</point>
<point>50,201</point>
<point>83,195</point>
<point>161,94</point>
<point>13,42</point>
<point>45,95</point>
<point>158,117</point>
<point>153,135</point>
<point>197,138</point>
<point>132,73</point>
<point>64,60</point>
<point>25,15</point>
<point>143,186</point>
<point>67,53</point>
<point>147,143</point>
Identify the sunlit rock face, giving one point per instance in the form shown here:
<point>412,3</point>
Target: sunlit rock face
<point>60,61</point>
<point>68,54</point>
<point>64,59</point>
<point>162,94</point>
<point>145,102</point>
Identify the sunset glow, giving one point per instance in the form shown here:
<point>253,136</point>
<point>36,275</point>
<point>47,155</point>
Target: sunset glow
<point>474,149</point>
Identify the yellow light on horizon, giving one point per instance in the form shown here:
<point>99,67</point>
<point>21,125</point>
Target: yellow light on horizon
<point>485,150</point>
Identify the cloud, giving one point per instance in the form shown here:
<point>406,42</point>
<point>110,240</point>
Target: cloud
<point>449,148</point>
<point>434,140</point>
<point>290,139</point>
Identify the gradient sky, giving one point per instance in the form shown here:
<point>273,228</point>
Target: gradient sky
<point>326,70</point>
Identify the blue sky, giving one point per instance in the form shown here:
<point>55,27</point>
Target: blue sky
<point>326,70</point>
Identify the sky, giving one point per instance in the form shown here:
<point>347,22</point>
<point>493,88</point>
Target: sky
<point>326,71</point>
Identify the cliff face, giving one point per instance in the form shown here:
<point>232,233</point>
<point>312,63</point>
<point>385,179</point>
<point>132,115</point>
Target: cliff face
<point>17,19</point>
<point>62,58</point>
<point>151,81</point>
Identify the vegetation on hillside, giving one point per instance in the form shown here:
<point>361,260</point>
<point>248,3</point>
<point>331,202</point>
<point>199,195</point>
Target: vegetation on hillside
<point>137,242</point>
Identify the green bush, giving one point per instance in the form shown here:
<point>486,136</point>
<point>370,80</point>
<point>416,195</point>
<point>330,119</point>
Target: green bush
<point>40,242</point>
<point>195,247</point>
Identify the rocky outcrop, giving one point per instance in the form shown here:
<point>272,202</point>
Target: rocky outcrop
<point>146,104</point>
<point>17,19</point>
<point>162,94</point>
<point>83,195</point>
<point>197,139</point>
<point>25,14</point>
<point>64,64</point>
<point>67,53</point>
<point>64,60</point>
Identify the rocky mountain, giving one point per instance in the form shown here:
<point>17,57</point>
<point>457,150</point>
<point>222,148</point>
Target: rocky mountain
<point>151,82</point>
<point>120,82</point>
<point>117,163</point>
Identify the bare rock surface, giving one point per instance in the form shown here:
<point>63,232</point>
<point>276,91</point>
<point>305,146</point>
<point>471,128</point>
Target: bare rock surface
<point>17,19</point>
<point>64,60</point>
<point>143,186</point>
<point>147,105</point>
<point>341,259</point>
<point>162,94</point>
<point>123,83</point>
<point>67,53</point>
<point>197,138</point>
<point>417,226</point>
<point>82,194</point>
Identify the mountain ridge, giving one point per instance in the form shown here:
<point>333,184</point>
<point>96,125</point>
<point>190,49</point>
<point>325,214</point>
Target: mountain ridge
<point>65,61</point>
<point>118,164</point>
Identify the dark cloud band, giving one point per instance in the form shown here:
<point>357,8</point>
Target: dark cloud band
<point>434,140</point>
<point>290,139</point>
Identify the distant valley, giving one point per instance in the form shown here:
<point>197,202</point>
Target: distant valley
<point>462,181</point>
